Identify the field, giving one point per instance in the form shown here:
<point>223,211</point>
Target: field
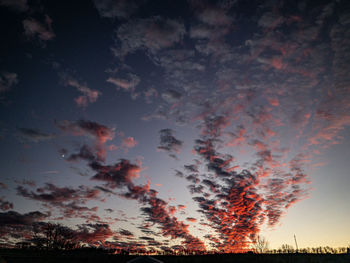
<point>20,256</point>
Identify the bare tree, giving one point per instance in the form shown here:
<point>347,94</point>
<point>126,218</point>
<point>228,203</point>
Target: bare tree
<point>38,238</point>
<point>53,236</point>
<point>261,245</point>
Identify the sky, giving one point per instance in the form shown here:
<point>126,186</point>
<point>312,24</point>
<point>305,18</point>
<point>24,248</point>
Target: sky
<point>176,124</point>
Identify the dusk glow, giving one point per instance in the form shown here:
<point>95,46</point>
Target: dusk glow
<point>196,125</point>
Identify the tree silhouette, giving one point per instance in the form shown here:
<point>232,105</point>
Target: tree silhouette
<point>261,245</point>
<point>53,236</point>
<point>287,248</point>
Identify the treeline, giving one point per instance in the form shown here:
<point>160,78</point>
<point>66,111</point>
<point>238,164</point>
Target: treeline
<point>288,249</point>
<point>49,236</point>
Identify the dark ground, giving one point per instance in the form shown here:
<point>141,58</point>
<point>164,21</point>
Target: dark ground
<point>20,256</point>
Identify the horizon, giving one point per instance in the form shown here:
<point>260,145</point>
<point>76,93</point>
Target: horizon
<point>176,124</point>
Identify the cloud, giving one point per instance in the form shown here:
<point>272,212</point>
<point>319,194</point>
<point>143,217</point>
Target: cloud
<point>67,200</point>
<point>183,70</point>
<point>171,96</point>
<point>34,29</point>
<point>85,153</point>
<point>121,9</point>
<point>20,227</point>
<point>34,135</point>
<point>150,94</point>
<point>127,84</point>
<point>15,226</point>
<point>192,187</point>
<point>7,81</point>
<point>149,34</point>
<point>12,218</point>
<point>100,133</point>
<point>30,183</point>
<point>214,16</point>
<point>93,234</point>
<point>105,190</point>
<point>16,5</point>
<point>179,173</point>
<point>5,205</point>
<point>126,233</point>
<point>157,212</point>
<point>129,142</point>
<point>240,201</point>
<point>169,143</point>
<point>238,137</point>
<point>136,192</point>
<point>88,95</point>
<point>214,125</point>
<point>213,22</point>
<point>192,168</point>
<point>270,20</point>
<point>117,175</point>
<point>56,195</point>
<point>147,238</point>
<point>121,176</point>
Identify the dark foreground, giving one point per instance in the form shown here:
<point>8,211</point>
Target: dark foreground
<point>18,256</point>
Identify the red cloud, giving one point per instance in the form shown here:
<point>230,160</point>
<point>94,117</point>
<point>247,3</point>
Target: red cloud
<point>191,219</point>
<point>94,234</point>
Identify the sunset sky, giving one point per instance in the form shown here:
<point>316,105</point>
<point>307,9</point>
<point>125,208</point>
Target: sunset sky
<point>169,124</point>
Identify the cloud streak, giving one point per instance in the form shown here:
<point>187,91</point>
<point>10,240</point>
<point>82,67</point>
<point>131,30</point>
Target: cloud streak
<point>34,135</point>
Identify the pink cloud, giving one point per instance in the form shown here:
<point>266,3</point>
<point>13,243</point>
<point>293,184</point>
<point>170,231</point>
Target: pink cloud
<point>129,142</point>
<point>88,95</point>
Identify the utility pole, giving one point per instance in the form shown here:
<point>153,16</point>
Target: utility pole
<point>296,244</point>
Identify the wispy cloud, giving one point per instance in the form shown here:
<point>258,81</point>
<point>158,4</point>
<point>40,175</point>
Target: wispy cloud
<point>34,135</point>
<point>42,31</point>
<point>7,81</point>
<point>88,95</point>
